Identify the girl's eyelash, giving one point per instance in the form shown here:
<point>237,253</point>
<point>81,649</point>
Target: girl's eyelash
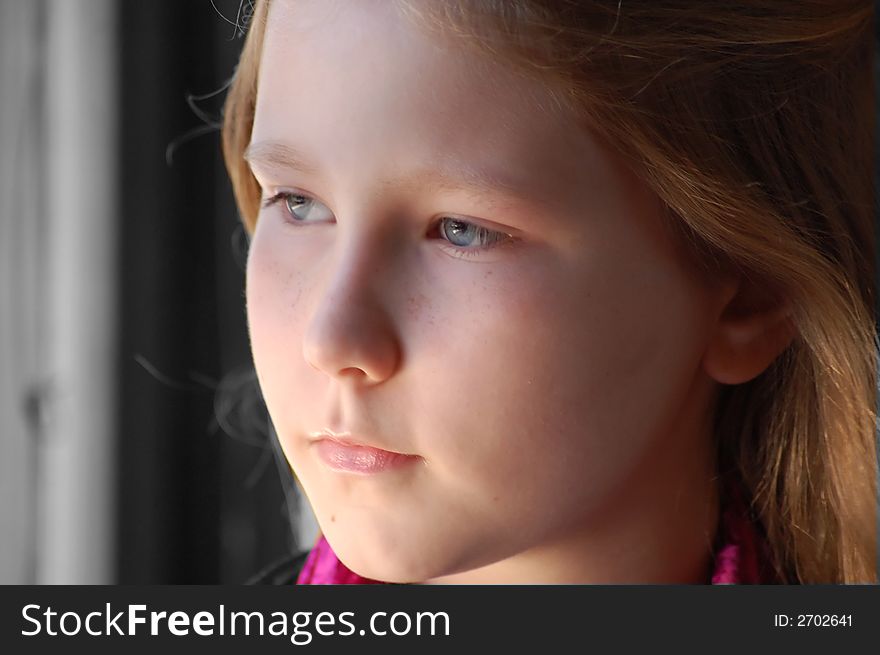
<point>281,195</point>
<point>498,239</point>
<point>504,240</point>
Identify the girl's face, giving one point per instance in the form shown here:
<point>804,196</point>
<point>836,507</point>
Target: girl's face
<point>461,274</point>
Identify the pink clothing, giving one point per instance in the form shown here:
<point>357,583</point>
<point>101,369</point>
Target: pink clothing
<point>741,559</point>
<point>323,567</point>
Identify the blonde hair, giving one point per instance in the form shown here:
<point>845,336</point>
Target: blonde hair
<point>753,122</point>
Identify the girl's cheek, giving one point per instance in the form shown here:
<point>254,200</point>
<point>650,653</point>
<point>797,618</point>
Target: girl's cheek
<point>262,282</point>
<point>274,274</point>
<point>273,289</point>
<point>271,295</point>
<point>259,292</point>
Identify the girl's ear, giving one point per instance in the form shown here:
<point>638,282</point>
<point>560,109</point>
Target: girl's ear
<point>752,330</point>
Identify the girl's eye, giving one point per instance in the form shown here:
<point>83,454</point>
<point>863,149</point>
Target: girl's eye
<point>298,207</point>
<point>469,239</point>
<point>464,238</point>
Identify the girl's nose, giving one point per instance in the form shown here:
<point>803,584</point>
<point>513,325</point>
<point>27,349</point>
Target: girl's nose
<point>350,332</point>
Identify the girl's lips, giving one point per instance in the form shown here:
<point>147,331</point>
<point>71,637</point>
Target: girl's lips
<point>359,459</point>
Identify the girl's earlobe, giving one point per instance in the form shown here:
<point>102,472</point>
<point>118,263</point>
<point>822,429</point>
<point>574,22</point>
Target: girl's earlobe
<point>752,330</point>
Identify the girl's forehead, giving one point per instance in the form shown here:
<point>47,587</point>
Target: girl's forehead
<point>384,47</point>
<point>349,78</point>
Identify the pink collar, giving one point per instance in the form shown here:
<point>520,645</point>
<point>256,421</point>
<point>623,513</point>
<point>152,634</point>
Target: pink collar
<point>741,558</point>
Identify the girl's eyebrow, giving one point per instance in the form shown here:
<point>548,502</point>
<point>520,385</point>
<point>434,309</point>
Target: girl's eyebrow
<point>277,155</point>
<point>273,154</point>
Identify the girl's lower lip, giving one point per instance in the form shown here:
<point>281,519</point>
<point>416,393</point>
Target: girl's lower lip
<point>359,459</point>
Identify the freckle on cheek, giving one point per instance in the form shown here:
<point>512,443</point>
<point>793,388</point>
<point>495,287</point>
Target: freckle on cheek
<point>414,305</point>
<point>295,301</point>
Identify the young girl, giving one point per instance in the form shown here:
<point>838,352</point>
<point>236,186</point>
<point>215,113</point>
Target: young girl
<point>548,291</point>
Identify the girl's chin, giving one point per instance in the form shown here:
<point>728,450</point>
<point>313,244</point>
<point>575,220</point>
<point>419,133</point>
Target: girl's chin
<point>398,567</point>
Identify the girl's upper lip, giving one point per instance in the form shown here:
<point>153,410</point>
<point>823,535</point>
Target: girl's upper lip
<point>349,439</point>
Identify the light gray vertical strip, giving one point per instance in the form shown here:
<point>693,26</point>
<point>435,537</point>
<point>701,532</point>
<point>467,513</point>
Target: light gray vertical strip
<point>77,506</point>
<point>22,283</point>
